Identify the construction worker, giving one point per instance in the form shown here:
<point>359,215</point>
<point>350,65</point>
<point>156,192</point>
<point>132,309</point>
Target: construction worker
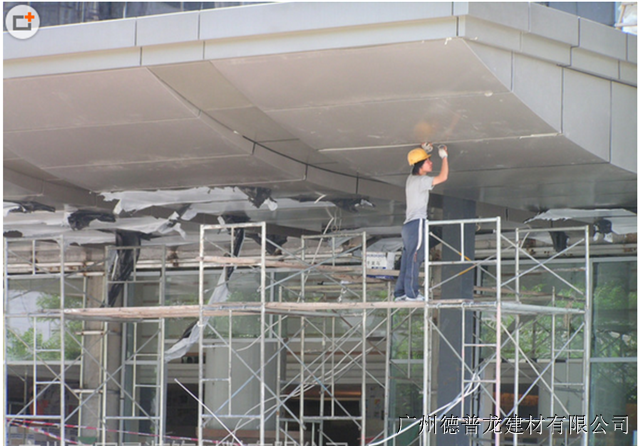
<point>413,237</point>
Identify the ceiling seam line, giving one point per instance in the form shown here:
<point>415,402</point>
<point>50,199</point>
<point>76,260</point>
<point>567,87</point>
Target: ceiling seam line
<point>307,165</point>
<point>383,101</point>
<point>535,167</point>
<point>122,124</point>
<point>395,146</point>
<point>148,162</point>
<point>200,111</point>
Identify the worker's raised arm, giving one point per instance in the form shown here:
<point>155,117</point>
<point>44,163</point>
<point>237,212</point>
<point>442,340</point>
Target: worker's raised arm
<point>444,172</point>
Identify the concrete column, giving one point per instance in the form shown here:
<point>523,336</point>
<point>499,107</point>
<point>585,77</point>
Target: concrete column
<point>91,363</point>
<point>450,320</point>
<point>245,362</point>
<point>114,360</point>
<point>93,366</point>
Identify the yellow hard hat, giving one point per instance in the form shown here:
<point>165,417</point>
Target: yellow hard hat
<point>417,155</point>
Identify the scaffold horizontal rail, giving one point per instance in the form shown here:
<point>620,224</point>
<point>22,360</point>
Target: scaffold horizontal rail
<point>250,308</point>
<point>279,264</point>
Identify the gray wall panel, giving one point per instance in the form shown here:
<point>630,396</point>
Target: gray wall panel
<point>175,53</point>
<point>546,49</point>
<point>594,63</point>
<point>629,73</point>
<point>72,63</point>
<point>539,85</point>
<point>554,24</point>
<point>489,33</point>
<point>95,36</point>
<point>171,28</point>
<point>586,112</point>
<point>513,14</point>
<point>497,60</point>
<point>624,127</point>
<point>296,17</point>
<point>632,48</point>
<point>603,39</point>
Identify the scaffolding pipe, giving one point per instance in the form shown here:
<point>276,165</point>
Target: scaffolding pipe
<point>364,309</point>
<point>586,357</point>
<point>498,326</point>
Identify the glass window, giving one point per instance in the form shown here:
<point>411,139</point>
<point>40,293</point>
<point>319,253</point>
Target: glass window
<point>614,384</point>
<point>613,403</point>
<point>615,296</point>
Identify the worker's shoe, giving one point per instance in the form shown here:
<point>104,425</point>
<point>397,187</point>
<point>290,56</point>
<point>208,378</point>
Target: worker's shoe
<point>401,298</point>
<point>418,298</point>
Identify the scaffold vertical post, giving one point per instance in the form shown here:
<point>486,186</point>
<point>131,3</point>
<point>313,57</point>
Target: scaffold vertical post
<point>201,327</point>
<point>516,378</point>
<point>5,306</point>
<point>263,328</point>
<point>161,400</point>
<point>63,401</point>
<point>498,324</point>
<point>586,356</point>
<point>303,322</point>
<point>426,360</point>
<point>363,399</point>
<point>105,345</point>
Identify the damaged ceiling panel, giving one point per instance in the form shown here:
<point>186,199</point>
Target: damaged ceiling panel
<point>619,221</point>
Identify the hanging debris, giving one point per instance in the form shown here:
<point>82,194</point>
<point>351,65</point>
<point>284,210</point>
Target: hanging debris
<point>352,204</point>
<point>259,195</point>
<point>26,207</point>
<point>238,240</point>
<point>124,262</point>
<point>220,294</point>
<point>82,218</point>
<point>559,239</point>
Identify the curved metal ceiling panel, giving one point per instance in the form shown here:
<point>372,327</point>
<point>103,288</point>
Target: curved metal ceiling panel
<point>90,99</point>
<point>334,105</point>
<point>425,69</point>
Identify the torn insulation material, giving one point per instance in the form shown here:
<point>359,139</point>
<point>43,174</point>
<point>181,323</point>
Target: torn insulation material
<point>621,221</point>
<point>220,294</point>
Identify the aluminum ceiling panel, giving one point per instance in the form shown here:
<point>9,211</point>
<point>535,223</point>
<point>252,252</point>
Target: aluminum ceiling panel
<point>471,156</point>
<point>546,187</point>
<point>539,187</point>
<point>250,122</point>
<point>8,154</point>
<point>202,85</point>
<point>410,121</point>
<point>296,149</point>
<point>121,144</point>
<point>318,78</point>
<point>177,173</point>
<point>89,99</point>
<point>598,173</point>
<point>11,191</point>
<point>22,166</point>
<point>587,195</point>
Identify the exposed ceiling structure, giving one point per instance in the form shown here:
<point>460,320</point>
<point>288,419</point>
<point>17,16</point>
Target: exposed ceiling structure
<point>316,106</point>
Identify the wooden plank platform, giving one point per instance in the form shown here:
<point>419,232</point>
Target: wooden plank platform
<point>300,308</point>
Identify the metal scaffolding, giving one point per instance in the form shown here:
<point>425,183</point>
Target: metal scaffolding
<point>315,345</point>
<point>82,364</point>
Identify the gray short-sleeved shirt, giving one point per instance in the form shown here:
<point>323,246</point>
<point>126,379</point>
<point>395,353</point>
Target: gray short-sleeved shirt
<point>417,191</point>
